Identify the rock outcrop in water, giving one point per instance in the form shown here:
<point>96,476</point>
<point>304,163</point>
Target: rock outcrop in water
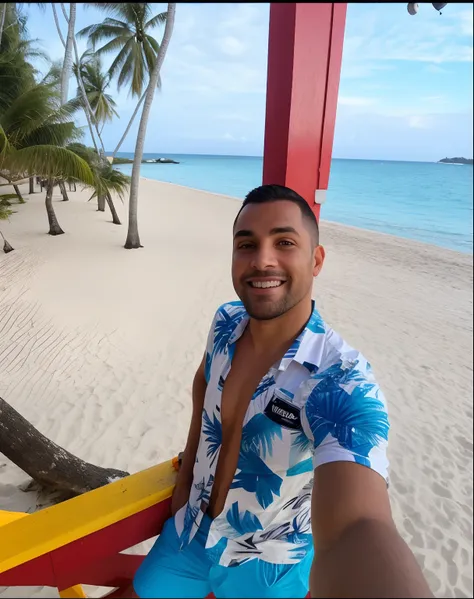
<point>119,160</point>
<point>456,160</point>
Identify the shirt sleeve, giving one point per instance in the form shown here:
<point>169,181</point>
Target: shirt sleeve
<point>345,416</point>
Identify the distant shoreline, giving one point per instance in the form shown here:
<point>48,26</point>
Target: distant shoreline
<point>129,155</point>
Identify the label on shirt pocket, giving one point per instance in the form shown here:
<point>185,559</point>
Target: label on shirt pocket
<point>283,413</point>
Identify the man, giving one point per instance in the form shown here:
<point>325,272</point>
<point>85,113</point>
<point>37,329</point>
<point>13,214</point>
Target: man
<point>284,471</point>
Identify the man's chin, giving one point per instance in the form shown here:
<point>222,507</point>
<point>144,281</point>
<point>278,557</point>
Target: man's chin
<point>264,310</point>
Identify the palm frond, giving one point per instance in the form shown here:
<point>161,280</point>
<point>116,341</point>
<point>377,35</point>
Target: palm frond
<point>49,161</point>
<point>159,19</point>
<point>56,134</point>
<point>120,58</point>
<point>115,44</point>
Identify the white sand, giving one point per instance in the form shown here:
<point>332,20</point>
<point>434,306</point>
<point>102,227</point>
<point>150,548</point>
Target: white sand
<point>98,347</point>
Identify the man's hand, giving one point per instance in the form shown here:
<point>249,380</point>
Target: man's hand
<point>358,551</point>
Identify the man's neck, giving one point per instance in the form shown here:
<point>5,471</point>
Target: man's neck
<point>280,332</point>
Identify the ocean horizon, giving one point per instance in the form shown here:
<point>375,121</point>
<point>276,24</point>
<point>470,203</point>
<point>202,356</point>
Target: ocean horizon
<point>430,202</point>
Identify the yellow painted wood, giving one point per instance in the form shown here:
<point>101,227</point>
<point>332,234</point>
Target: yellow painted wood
<point>75,592</point>
<point>7,517</point>
<point>26,538</point>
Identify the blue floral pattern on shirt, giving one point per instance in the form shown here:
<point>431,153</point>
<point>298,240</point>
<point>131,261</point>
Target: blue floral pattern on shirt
<point>343,417</point>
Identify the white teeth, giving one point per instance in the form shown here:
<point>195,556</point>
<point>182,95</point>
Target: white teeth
<point>265,284</point>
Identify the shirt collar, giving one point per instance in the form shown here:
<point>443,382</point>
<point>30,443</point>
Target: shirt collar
<point>306,349</point>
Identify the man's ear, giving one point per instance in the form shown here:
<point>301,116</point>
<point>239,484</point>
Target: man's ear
<point>319,255</point>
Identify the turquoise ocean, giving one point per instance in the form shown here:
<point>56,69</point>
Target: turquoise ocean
<point>425,201</point>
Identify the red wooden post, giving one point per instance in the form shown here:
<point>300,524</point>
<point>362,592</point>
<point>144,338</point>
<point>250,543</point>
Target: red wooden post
<point>304,65</point>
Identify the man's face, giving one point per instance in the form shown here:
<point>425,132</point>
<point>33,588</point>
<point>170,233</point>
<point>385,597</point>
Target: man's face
<point>274,259</point>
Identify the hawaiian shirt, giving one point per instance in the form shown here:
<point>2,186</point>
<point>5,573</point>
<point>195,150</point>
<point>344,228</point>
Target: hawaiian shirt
<point>319,404</point>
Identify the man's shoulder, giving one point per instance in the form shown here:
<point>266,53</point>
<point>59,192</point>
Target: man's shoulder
<point>230,311</point>
<point>337,354</point>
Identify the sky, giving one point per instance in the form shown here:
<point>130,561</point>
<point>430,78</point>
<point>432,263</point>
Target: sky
<point>406,89</point>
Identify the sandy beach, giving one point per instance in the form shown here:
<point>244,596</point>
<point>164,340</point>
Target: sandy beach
<point>99,345</point>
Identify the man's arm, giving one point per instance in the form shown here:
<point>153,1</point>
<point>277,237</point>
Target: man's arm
<point>185,475</point>
<point>358,551</point>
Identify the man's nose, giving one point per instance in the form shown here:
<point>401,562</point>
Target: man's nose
<point>264,257</point>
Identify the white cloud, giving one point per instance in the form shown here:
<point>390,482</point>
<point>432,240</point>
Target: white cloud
<point>435,69</point>
<point>242,16</point>
<point>420,122</point>
<point>192,51</point>
<point>390,34</point>
<point>465,18</point>
<point>231,46</point>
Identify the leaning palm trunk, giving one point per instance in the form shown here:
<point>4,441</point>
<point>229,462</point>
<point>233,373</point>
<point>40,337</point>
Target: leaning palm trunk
<point>6,246</point>
<point>18,193</point>
<point>129,124</point>
<point>54,228</point>
<point>67,64</point>
<point>133,238</point>
<point>47,463</point>
<point>100,203</point>
<point>115,216</point>
<point>62,188</point>
<point>53,6</point>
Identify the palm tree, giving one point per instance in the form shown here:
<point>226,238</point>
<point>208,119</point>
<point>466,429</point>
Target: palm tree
<point>17,73</point>
<point>33,132</point>
<point>89,112</point>
<point>106,178</point>
<point>133,238</point>
<point>96,83</point>
<point>128,33</point>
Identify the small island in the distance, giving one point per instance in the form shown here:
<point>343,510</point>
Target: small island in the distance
<point>118,160</point>
<point>456,160</point>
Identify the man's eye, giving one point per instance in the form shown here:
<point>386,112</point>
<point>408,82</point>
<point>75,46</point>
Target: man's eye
<point>245,246</point>
<point>285,242</point>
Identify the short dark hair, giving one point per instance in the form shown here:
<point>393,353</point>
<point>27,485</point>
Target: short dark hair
<point>275,193</point>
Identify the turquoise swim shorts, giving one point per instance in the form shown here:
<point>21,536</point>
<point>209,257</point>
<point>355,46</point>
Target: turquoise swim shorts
<point>170,572</point>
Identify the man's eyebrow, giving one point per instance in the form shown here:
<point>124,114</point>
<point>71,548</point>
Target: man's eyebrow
<point>274,231</point>
<point>278,230</point>
<point>243,233</point>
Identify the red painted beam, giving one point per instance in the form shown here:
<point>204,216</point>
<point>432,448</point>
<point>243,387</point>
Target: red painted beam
<point>37,572</point>
<point>93,559</point>
<point>304,65</point>
<point>76,561</point>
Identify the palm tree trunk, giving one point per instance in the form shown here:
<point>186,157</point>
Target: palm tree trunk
<point>62,187</point>
<point>90,116</point>
<point>85,99</point>
<point>32,185</point>
<point>139,103</point>
<point>115,216</point>
<point>18,193</point>
<point>67,64</point>
<point>133,238</point>
<point>100,203</point>
<point>54,228</point>
<point>6,246</point>
<point>47,463</point>
<point>3,12</point>
<point>55,14</point>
